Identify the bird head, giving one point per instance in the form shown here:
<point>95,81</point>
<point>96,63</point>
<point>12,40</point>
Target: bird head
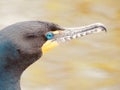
<point>26,41</point>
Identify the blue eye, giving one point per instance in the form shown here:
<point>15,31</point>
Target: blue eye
<point>49,35</point>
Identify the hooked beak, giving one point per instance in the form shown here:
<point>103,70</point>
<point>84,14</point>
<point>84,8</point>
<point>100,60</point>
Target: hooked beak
<point>71,33</point>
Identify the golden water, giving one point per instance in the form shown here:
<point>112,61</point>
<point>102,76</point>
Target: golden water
<point>89,63</point>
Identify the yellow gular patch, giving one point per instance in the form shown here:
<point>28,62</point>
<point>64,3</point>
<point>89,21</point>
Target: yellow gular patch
<point>49,44</point>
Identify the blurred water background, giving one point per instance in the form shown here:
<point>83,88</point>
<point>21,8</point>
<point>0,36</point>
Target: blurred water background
<point>89,63</point>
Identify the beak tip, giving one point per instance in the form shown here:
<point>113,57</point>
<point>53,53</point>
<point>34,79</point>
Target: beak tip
<point>102,26</point>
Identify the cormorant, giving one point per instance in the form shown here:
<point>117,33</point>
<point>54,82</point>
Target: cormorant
<point>21,45</point>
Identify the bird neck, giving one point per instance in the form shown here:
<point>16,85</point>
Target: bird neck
<point>9,81</point>
<point>10,75</point>
<point>12,65</point>
<point>9,78</point>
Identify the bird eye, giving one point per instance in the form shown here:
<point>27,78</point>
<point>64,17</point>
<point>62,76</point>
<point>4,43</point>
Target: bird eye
<point>49,35</point>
